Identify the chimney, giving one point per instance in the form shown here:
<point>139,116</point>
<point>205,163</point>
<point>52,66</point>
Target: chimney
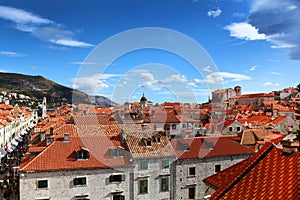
<point>51,131</point>
<point>42,136</point>
<point>66,137</point>
<point>290,146</point>
<point>49,138</point>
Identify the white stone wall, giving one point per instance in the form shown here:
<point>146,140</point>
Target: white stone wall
<point>2,136</point>
<point>204,168</point>
<point>234,127</point>
<point>60,184</point>
<point>153,174</point>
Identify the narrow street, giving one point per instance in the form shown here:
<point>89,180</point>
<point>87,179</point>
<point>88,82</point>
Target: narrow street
<point>10,164</point>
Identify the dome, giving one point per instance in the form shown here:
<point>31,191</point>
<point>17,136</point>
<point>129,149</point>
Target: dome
<point>143,98</point>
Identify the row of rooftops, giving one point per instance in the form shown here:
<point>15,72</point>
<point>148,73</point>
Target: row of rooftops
<point>9,114</point>
<point>134,142</point>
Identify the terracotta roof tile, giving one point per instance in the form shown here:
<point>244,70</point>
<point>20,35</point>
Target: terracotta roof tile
<point>60,155</point>
<point>138,149</point>
<point>201,147</point>
<point>252,96</point>
<point>258,178</point>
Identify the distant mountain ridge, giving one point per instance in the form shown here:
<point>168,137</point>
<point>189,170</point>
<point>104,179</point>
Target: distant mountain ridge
<point>104,101</point>
<point>39,87</point>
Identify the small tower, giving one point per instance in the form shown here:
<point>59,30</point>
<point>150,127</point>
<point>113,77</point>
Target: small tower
<point>238,90</point>
<point>44,108</point>
<point>143,101</point>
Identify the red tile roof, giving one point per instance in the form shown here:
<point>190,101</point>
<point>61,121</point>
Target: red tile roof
<point>201,147</point>
<point>5,106</point>
<point>156,150</point>
<point>60,155</point>
<point>252,96</point>
<point>267,175</point>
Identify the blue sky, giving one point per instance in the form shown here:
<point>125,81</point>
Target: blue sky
<point>251,43</point>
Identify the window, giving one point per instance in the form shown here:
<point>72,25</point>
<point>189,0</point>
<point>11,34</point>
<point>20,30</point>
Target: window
<point>165,164</point>
<point>164,184</point>
<point>230,129</point>
<point>217,168</point>
<point>146,142</point>
<point>82,155</point>
<point>80,181</point>
<point>118,152</point>
<point>183,125</point>
<point>238,129</point>
<point>118,197</point>
<point>192,191</point>
<point>117,178</point>
<point>157,139</point>
<point>173,126</point>
<point>143,186</point>
<point>144,164</point>
<point>149,143</point>
<point>192,171</point>
<point>42,184</point>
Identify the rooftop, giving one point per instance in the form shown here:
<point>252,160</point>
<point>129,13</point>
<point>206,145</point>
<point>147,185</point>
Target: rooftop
<point>266,175</point>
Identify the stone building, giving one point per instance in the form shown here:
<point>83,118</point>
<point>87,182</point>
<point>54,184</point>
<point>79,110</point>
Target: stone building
<point>222,96</point>
<point>153,156</point>
<point>198,158</point>
<point>73,167</point>
<point>272,173</point>
<point>254,100</point>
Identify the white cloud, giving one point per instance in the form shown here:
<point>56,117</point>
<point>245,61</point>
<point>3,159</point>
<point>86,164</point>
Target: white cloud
<point>244,31</point>
<point>83,63</point>
<point>218,77</point>
<point>41,28</point>
<point>214,13</point>
<point>279,21</point>
<point>253,68</point>
<point>93,83</point>
<point>21,17</point>
<point>207,69</point>
<point>276,73</point>
<point>269,84</point>
<point>196,80</point>
<point>283,46</point>
<point>12,54</point>
<point>70,42</point>
<point>175,78</point>
<point>147,76</point>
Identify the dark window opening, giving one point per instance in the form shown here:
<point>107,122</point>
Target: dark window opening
<point>117,178</point>
<point>82,155</point>
<point>143,186</point>
<point>118,197</point>
<point>192,192</point>
<point>164,184</point>
<point>80,181</point>
<point>192,171</point>
<point>43,184</point>
<point>217,168</point>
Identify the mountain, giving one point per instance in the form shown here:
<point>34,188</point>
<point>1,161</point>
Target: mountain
<point>39,87</point>
<point>104,101</point>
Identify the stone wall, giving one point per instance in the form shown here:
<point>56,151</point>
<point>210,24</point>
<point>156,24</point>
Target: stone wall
<point>61,186</point>
<point>204,168</point>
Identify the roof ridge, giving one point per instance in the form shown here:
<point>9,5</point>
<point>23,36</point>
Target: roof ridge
<point>47,147</point>
<point>245,172</point>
